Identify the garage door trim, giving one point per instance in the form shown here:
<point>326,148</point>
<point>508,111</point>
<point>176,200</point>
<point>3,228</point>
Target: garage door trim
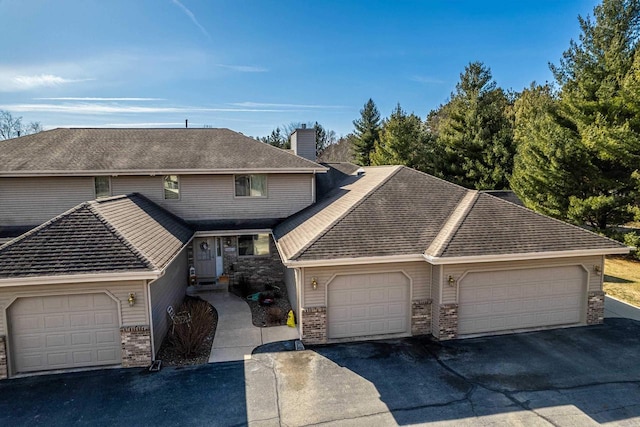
<point>355,272</point>
<point>8,338</point>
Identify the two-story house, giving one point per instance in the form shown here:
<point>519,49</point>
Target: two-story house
<point>120,216</point>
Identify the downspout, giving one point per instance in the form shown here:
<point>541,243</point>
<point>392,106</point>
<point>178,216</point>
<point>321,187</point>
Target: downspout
<point>149,307</point>
<point>313,188</point>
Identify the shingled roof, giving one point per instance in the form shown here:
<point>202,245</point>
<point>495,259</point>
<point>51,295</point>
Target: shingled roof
<point>77,151</point>
<point>395,211</point>
<point>118,234</point>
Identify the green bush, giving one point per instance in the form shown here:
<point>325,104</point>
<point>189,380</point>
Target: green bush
<point>632,239</point>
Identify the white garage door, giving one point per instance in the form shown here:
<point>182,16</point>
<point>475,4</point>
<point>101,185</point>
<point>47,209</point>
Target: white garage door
<point>64,331</point>
<point>516,299</point>
<point>368,304</point>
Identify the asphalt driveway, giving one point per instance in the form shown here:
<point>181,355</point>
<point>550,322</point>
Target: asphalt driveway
<point>574,377</point>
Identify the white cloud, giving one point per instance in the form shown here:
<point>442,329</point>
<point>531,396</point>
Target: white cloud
<point>250,104</point>
<point>243,68</point>
<point>17,83</point>
<point>192,17</point>
<point>74,98</point>
<point>105,109</point>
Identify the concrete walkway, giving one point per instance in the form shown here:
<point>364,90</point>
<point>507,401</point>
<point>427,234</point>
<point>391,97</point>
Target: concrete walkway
<point>236,337</point>
<point>615,308</point>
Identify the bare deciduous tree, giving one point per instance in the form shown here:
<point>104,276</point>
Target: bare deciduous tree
<point>12,127</point>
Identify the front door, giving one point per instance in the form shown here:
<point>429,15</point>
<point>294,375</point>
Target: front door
<point>219,267</point>
<point>204,257</point>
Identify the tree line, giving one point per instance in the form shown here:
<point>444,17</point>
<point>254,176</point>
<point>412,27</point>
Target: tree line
<point>569,149</point>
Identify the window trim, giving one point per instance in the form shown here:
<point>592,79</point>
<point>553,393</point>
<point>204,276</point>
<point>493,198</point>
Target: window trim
<point>164,194</point>
<point>95,193</point>
<point>254,239</point>
<point>266,186</point>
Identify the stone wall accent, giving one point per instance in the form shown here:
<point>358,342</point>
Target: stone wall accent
<point>259,270</point>
<point>4,372</point>
<point>446,322</point>
<point>136,346</point>
<point>421,317</point>
<point>595,307</point>
<point>314,325</point>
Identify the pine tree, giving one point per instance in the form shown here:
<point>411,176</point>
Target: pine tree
<point>474,132</point>
<point>402,139</point>
<point>367,132</point>
<point>591,137</point>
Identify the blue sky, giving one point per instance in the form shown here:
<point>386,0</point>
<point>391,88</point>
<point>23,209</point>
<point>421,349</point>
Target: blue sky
<point>254,65</point>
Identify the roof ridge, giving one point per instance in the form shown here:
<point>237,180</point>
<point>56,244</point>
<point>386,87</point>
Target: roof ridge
<point>43,225</point>
<point>92,205</point>
<point>555,219</point>
<point>346,212</point>
<point>451,226</point>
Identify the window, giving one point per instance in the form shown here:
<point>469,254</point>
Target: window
<point>251,185</point>
<point>102,186</point>
<point>252,245</point>
<point>171,187</point>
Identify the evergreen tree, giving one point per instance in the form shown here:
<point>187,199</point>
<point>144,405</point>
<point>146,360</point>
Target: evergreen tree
<point>592,136</point>
<point>402,139</point>
<point>475,132</point>
<point>367,132</point>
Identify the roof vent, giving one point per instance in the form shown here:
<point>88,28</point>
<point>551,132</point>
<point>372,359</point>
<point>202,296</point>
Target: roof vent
<point>303,126</point>
<point>360,172</point>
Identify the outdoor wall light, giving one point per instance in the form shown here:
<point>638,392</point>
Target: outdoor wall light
<point>597,269</point>
<point>132,299</point>
<point>451,281</point>
<point>314,283</point>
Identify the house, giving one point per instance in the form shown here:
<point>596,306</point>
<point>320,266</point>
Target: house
<point>364,252</point>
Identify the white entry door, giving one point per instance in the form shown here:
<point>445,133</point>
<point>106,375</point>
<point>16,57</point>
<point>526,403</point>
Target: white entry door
<point>204,257</point>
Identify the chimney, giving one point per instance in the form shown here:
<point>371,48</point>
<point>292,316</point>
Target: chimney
<point>303,142</point>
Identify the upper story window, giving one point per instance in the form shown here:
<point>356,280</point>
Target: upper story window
<point>251,185</point>
<point>171,187</point>
<point>102,186</point>
<point>253,245</point>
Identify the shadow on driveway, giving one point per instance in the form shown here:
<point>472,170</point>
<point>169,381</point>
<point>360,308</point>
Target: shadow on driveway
<point>576,375</point>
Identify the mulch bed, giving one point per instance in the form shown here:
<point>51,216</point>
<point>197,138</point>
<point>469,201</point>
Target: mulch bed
<point>259,313</point>
<point>170,357</point>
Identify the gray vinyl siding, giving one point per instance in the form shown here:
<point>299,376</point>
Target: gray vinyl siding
<point>435,284</point>
<point>168,290</point>
<point>450,293</point>
<point>205,197</point>
<point>32,201</point>
<point>303,143</point>
<point>290,282</point>
<point>130,316</point>
<point>419,273</point>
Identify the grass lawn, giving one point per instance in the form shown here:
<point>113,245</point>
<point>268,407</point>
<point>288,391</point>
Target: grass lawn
<point>622,279</point>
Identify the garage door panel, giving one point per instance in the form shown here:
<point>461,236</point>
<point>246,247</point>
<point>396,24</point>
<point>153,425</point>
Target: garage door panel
<point>367,304</point>
<point>521,299</point>
<point>68,332</point>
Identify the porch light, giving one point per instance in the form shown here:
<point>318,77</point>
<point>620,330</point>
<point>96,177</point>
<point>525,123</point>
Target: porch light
<point>314,283</point>
<point>451,281</point>
<point>597,269</point>
<point>132,299</point>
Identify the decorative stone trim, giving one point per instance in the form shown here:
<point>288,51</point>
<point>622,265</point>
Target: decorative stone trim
<point>314,325</point>
<point>595,307</point>
<point>421,316</point>
<point>446,326</point>
<point>4,373</point>
<point>136,346</point>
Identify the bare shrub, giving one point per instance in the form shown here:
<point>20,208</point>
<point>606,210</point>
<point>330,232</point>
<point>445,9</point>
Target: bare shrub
<point>274,315</point>
<point>189,337</point>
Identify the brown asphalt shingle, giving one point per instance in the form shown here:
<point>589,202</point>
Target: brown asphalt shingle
<point>161,150</point>
<point>124,233</point>
<point>406,212</point>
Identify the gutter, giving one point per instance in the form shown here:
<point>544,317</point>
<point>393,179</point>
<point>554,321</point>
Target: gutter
<point>152,172</point>
<point>525,256</point>
<point>79,278</point>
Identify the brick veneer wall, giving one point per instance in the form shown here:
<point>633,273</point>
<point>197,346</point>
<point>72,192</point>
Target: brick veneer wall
<point>258,270</point>
<point>314,325</point>
<point>4,373</point>
<point>421,317</point>
<point>445,321</point>
<point>595,307</point>
<point>136,346</point>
